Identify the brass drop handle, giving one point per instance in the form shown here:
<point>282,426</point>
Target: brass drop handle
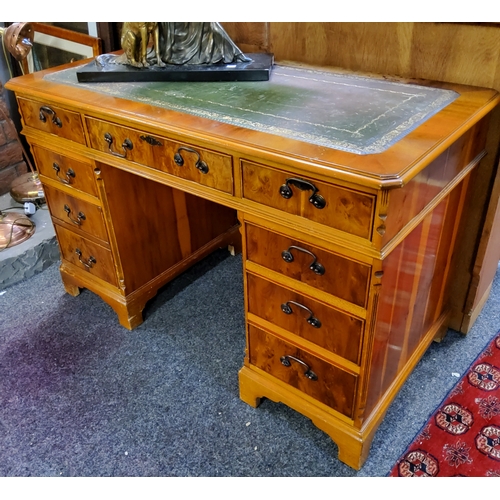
<point>316,199</point>
<point>287,309</point>
<point>127,145</point>
<point>78,220</point>
<point>45,110</point>
<point>200,164</point>
<point>90,261</point>
<point>285,361</point>
<point>70,173</point>
<point>314,266</point>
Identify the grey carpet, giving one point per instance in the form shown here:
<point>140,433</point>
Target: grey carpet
<point>82,396</point>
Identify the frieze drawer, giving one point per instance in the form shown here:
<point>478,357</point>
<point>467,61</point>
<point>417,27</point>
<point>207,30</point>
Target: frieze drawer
<point>81,214</point>
<point>330,328</point>
<point>65,170</point>
<point>340,208</point>
<point>86,255</point>
<point>52,119</point>
<point>327,271</point>
<point>302,370</point>
<point>186,161</point>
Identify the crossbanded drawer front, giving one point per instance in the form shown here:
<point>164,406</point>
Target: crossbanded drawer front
<point>86,255</point>
<point>333,206</point>
<point>329,272</point>
<point>65,170</point>
<point>315,377</point>
<point>52,119</point>
<point>83,215</point>
<point>186,161</point>
<point>325,326</point>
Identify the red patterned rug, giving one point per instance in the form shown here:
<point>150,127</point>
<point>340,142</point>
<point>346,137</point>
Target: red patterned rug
<point>462,438</point>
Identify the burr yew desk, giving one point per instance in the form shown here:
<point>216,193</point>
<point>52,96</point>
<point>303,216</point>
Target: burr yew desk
<point>346,193</point>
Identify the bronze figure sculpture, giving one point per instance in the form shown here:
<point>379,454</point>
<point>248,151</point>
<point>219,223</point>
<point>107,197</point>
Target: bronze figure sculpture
<point>177,43</point>
<point>198,43</point>
<point>163,51</point>
<point>135,40</point>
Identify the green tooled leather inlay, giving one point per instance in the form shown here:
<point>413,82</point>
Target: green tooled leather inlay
<point>351,113</point>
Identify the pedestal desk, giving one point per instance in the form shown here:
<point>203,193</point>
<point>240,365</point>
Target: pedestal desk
<point>345,192</point>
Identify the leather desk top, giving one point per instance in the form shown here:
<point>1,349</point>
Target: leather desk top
<point>341,111</point>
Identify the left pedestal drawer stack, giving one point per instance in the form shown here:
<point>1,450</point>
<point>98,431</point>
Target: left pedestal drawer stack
<point>70,190</point>
<point>77,213</point>
<point>123,236</point>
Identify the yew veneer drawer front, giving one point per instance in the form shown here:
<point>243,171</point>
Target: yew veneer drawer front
<point>315,377</point>
<point>83,215</point>
<point>329,272</point>
<point>333,206</point>
<point>52,119</point>
<point>188,162</point>
<point>67,171</point>
<point>329,328</point>
<point>86,255</point>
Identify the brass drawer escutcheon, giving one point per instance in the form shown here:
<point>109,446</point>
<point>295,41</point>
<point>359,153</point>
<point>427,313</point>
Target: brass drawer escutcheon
<point>152,141</point>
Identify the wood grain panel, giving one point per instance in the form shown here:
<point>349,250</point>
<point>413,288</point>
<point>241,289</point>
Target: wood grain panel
<point>68,171</point>
<point>333,387</point>
<point>155,226</point>
<point>102,267</point>
<point>343,277</point>
<point>344,209</point>
<point>339,332</point>
<point>414,292</point>
<point>405,49</point>
<point>159,152</point>
<point>249,37</point>
<point>70,127</point>
<point>407,202</point>
<point>86,217</point>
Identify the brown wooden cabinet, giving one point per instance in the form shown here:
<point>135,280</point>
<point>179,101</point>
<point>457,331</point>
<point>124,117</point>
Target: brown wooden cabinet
<point>347,256</point>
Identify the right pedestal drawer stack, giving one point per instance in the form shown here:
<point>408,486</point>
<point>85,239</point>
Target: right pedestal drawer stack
<point>345,288</point>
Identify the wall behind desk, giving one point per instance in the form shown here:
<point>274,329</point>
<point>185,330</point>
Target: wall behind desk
<point>464,53</point>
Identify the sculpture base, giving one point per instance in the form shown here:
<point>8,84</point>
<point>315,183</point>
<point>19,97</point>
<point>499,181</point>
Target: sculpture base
<point>103,70</point>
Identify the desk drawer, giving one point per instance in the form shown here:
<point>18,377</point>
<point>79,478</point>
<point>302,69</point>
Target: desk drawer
<point>333,206</point>
<point>86,255</point>
<point>329,384</point>
<point>85,216</point>
<point>52,119</point>
<point>69,172</point>
<point>186,161</point>
<point>329,328</point>
<point>327,271</point>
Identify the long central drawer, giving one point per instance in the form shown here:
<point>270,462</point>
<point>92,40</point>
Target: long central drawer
<point>186,161</point>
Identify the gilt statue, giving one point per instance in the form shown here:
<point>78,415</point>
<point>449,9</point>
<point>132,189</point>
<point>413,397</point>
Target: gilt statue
<point>178,44</point>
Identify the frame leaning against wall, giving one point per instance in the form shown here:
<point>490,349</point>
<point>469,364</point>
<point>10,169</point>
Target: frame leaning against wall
<point>54,46</point>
